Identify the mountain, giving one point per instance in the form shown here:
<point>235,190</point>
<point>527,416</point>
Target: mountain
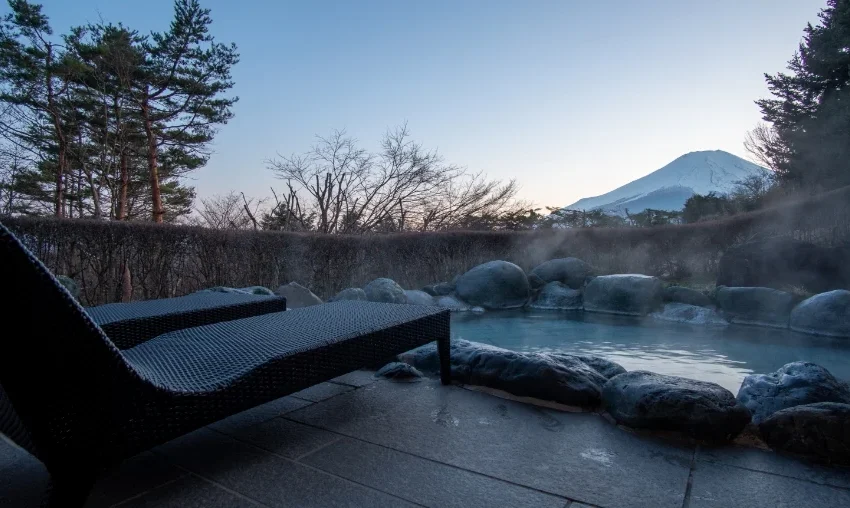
<point>669,187</point>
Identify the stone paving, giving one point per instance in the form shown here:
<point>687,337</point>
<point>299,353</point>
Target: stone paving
<point>360,442</point>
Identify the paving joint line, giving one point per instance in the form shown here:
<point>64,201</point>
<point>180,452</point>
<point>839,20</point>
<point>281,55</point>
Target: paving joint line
<point>485,475</point>
<point>821,484</point>
<point>124,501</point>
<point>313,468</point>
<point>686,499</point>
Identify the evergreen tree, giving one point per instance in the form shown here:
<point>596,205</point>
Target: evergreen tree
<point>108,121</point>
<point>709,206</point>
<point>36,75</point>
<point>809,111</point>
<point>111,56</point>
<point>180,94</point>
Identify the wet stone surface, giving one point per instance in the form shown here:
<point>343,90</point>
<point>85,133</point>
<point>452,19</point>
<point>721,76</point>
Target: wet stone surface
<point>568,379</point>
<point>424,444</point>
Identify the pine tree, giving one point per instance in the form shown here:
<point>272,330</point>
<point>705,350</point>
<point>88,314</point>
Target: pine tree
<point>809,112</point>
<point>36,75</point>
<point>111,56</point>
<point>72,105</point>
<point>180,94</point>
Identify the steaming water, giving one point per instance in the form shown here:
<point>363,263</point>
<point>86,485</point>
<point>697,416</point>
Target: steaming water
<point>720,355</point>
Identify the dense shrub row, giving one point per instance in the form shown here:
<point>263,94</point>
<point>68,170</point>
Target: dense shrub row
<point>166,260</point>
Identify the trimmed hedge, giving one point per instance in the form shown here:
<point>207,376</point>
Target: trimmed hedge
<point>167,260</point>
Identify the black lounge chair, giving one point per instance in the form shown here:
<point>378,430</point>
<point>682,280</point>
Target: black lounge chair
<point>130,324</point>
<point>86,405</point>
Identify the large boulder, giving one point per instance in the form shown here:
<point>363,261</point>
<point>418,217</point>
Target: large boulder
<point>606,367</point>
<point>452,303</point>
<point>557,296</point>
<point>629,294</point>
<point>679,294</point>
<point>349,294</point>
<point>818,431</point>
<point>561,378</point>
<point>416,297</point>
<point>824,314</point>
<point>399,371</point>
<point>782,262</point>
<point>258,290</point>
<point>224,289</point>
<point>689,314</point>
<point>755,305</point>
<point>384,290</point>
<point>494,285</point>
<point>646,400</point>
<point>794,384</point>
<point>572,272</point>
<point>440,289</point>
<point>297,296</point>
<point>535,282</point>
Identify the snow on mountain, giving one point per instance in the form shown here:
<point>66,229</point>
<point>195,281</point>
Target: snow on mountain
<point>669,187</point>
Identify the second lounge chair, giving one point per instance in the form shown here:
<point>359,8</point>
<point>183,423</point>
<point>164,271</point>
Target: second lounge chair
<point>87,405</point>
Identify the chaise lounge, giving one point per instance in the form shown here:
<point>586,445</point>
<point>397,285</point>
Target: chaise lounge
<point>130,324</point>
<point>84,404</point>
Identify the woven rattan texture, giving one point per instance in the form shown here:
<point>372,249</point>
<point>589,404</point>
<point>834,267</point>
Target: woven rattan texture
<point>130,324</point>
<point>87,405</point>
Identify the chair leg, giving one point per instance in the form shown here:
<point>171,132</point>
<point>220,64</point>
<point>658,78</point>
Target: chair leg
<point>444,352</point>
<point>69,489</point>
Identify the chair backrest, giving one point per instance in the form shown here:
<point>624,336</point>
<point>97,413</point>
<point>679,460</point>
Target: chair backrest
<point>58,369</point>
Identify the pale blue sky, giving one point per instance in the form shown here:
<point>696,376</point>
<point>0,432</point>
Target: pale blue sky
<point>572,98</point>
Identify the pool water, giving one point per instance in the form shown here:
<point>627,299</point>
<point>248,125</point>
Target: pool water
<point>720,355</point>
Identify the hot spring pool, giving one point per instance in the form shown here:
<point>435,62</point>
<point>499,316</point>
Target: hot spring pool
<point>720,355</point>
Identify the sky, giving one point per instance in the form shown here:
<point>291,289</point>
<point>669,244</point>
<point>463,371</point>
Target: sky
<point>572,98</point>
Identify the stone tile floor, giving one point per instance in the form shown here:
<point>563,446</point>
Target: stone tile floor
<point>360,442</point>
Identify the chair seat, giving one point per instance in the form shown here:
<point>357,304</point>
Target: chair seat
<point>209,357</point>
<point>114,312</point>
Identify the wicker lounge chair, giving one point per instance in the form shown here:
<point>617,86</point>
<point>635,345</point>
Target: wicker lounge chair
<point>129,324</point>
<point>87,405</point>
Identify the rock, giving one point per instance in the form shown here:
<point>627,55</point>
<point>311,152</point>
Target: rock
<point>440,289</point>
<point>557,296</point>
<point>572,272</point>
<point>69,284</point>
<point>223,289</point>
<point>818,431</point>
<point>646,400</point>
<point>607,368</point>
<point>494,285</point>
<point>535,283</point>
<point>399,371</point>
<point>629,294</point>
<point>297,296</point>
<point>781,262</point>
<point>690,314</point>
<point>349,294</point>
<point>384,290</point>
<point>258,290</point>
<point>755,306</point>
<point>416,297</point>
<point>794,384</point>
<point>451,303</point>
<point>824,314</point>
<point>560,378</point>
<point>690,296</point>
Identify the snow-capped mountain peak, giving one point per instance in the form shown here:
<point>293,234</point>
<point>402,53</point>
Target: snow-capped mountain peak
<point>669,187</point>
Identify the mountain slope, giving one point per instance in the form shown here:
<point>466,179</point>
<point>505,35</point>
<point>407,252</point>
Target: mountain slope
<point>669,187</point>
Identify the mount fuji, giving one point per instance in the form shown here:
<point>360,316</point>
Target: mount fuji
<point>669,187</point>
